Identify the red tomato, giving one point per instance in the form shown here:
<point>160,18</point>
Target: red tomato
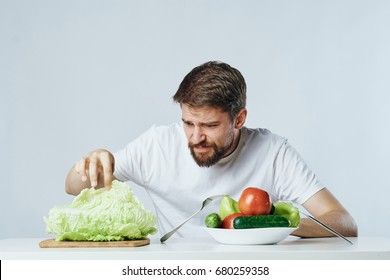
<point>227,223</point>
<point>254,201</point>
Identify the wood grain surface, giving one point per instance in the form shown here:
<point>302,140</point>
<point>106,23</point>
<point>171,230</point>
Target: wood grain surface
<point>52,243</point>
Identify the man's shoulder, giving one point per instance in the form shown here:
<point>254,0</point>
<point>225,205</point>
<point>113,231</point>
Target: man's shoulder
<point>164,133</point>
<point>158,136</point>
<point>171,129</point>
<point>263,134</point>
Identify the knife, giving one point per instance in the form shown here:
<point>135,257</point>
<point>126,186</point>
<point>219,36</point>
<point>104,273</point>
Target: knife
<point>328,228</point>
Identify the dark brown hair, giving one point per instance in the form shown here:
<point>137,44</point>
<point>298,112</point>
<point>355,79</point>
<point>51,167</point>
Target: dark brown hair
<point>214,84</point>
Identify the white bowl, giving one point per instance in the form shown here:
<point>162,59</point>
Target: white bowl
<point>252,236</point>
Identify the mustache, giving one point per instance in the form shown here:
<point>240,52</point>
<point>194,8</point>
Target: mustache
<point>201,144</point>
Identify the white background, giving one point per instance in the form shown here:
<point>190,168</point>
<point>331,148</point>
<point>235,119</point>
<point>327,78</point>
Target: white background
<point>193,269</point>
<point>80,75</point>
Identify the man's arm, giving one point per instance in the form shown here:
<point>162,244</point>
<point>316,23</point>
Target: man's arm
<point>94,170</point>
<point>326,208</point>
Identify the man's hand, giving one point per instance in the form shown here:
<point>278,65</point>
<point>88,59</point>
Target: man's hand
<point>96,163</point>
<point>95,169</point>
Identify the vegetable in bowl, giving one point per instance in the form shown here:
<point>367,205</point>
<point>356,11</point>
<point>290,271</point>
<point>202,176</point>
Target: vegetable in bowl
<point>254,209</point>
<point>102,215</point>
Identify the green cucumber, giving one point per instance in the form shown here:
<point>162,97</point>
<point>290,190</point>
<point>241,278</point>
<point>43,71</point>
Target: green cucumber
<point>260,221</point>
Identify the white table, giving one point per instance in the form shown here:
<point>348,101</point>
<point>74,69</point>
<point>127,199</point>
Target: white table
<point>364,248</point>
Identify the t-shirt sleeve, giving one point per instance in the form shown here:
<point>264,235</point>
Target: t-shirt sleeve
<point>130,161</point>
<point>294,180</point>
<point>121,165</point>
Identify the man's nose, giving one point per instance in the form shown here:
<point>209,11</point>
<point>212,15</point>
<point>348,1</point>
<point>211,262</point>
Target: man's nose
<point>198,135</point>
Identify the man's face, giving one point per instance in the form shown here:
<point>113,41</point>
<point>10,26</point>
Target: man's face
<point>210,133</point>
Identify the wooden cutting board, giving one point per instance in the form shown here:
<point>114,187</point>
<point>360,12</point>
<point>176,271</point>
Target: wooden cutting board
<point>52,243</point>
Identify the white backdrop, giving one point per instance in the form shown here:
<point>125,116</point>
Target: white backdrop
<point>78,75</point>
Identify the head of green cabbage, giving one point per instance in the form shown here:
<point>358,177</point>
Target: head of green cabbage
<point>113,214</point>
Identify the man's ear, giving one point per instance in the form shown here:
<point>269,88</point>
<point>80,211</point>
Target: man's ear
<point>240,119</point>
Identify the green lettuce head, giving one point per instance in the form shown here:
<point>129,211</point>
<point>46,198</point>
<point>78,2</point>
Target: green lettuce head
<point>102,215</point>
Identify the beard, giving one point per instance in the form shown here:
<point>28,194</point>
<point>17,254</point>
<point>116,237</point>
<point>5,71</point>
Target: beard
<point>217,153</point>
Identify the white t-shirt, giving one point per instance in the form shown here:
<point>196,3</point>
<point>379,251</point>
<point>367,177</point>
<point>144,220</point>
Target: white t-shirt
<point>160,161</point>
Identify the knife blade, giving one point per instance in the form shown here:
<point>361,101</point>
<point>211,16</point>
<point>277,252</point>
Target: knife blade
<point>328,228</point>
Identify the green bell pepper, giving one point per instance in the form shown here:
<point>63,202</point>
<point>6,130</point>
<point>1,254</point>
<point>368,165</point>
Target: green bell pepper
<point>228,206</point>
<point>287,210</point>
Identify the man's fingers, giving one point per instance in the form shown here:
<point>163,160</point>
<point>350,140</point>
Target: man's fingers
<point>107,180</point>
<point>93,173</point>
<point>107,164</point>
<point>107,173</point>
<point>80,168</point>
<point>94,166</point>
